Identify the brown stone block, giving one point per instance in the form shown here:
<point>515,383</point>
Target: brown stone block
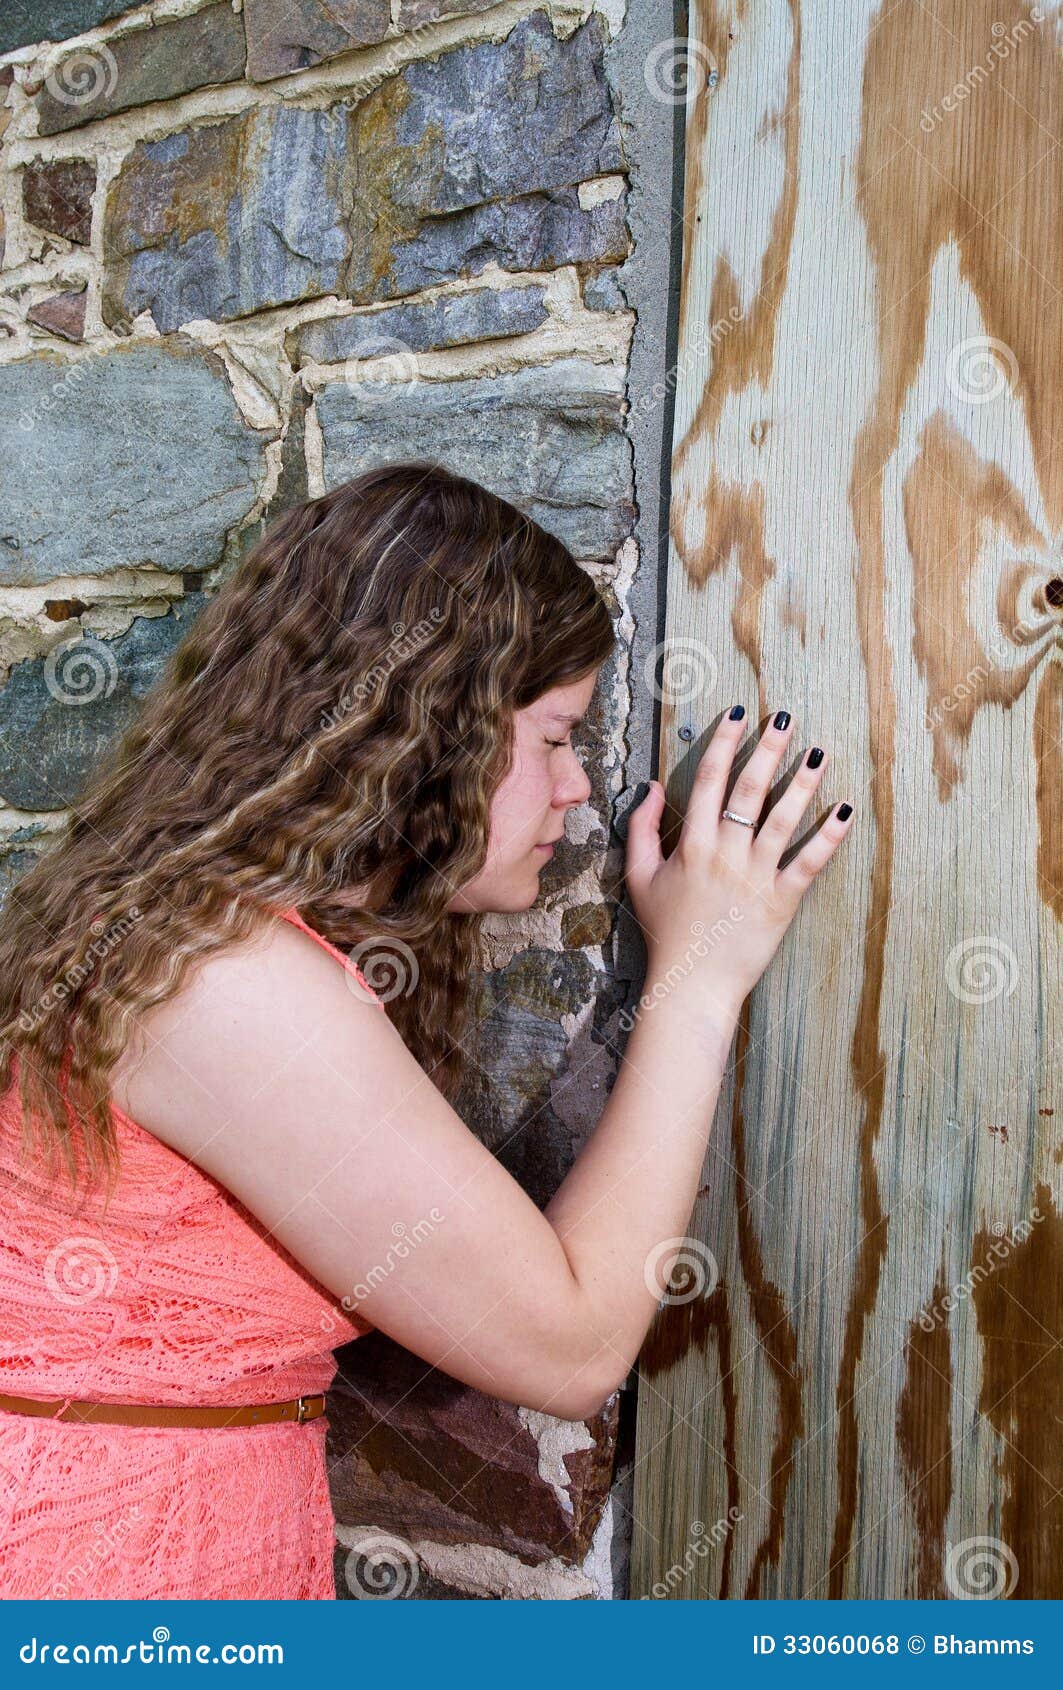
<point>57,197</point>
<point>417,1453</point>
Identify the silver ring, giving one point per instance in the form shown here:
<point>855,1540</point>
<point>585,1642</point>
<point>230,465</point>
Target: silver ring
<point>731,816</point>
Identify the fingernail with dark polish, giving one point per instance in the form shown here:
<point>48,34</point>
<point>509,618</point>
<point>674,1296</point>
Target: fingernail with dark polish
<point>815,757</point>
<point>737,713</point>
<point>844,812</point>
<point>782,719</point>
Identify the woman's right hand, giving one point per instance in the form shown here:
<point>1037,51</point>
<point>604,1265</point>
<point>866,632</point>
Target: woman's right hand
<point>716,909</point>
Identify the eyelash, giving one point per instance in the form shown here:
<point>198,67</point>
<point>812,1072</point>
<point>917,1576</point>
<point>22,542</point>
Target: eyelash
<point>559,742</point>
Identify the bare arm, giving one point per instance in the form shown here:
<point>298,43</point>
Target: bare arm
<point>307,1105</point>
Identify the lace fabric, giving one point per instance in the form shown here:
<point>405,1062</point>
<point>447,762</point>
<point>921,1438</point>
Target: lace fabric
<point>180,1296</point>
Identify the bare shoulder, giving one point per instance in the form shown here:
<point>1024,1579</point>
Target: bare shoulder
<point>284,1082</point>
<point>243,1016</point>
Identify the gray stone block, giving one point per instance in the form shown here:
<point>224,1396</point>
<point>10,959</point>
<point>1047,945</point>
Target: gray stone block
<point>533,232</point>
<point>59,714</point>
<point>497,121</point>
<point>24,22</point>
<point>604,293</point>
<point>225,219</point>
<point>148,64</point>
<point>486,314</point>
<point>445,167</point>
<point>131,456</point>
<point>551,440</point>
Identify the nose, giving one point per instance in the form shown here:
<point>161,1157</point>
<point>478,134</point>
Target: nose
<point>576,787</point>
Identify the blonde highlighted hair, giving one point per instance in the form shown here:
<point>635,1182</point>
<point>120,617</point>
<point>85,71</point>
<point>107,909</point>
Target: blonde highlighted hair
<point>338,716</point>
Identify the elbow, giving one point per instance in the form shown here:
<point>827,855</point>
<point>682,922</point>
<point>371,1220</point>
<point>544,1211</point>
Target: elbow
<point>583,1399</point>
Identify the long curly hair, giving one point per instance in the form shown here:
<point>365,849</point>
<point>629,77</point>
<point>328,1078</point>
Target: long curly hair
<point>337,718</point>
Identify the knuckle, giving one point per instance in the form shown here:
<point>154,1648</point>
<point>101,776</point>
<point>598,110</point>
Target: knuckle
<point>711,768</point>
<point>745,788</point>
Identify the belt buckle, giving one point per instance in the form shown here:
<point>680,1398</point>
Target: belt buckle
<point>301,1407</point>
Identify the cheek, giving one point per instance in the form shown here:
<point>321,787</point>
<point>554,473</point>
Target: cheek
<point>519,802</point>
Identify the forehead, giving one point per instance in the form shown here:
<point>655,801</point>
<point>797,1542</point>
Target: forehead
<point>565,704</point>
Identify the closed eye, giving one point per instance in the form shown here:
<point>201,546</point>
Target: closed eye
<point>559,742</point>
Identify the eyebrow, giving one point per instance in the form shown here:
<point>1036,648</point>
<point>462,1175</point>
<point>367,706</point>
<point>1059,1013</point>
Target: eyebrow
<point>566,716</point>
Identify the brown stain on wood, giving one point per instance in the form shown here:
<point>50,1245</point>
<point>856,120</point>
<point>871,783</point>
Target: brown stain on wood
<point>776,1331</point>
<point>682,1327</point>
<point>1019,1309</point>
<point>743,353</point>
<point>1048,715</point>
<point>924,1435</point>
<point>953,502</point>
<point>980,178</point>
<point>678,1329</point>
<point>955,185</point>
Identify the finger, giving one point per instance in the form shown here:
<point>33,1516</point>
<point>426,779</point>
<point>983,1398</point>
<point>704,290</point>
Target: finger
<point>751,788</point>
<point>702,816</point>
<point>805,864</point>
<point>782,819</point>
<point>642,850</point>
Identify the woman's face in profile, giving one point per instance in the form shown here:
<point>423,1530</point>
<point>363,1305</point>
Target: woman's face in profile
<point>545,780</point>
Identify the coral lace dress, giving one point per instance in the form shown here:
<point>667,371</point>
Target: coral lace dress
<point>180,1296</point>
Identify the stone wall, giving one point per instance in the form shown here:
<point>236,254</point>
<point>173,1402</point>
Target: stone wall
<point>248,252</point>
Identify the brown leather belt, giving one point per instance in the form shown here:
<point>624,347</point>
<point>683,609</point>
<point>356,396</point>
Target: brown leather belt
<point>297,1409</point>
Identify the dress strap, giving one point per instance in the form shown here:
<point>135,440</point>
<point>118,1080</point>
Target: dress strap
<point>296,920</point>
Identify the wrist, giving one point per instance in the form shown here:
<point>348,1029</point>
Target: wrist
<point>704,1001</point>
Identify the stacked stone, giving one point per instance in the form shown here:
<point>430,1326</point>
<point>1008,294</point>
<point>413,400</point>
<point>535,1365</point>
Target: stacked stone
<point>245,255</point>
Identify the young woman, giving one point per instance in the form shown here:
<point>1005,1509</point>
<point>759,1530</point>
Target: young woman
<point>362,742</point>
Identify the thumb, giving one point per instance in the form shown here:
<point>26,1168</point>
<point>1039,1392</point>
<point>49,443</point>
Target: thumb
<point>643,855</point>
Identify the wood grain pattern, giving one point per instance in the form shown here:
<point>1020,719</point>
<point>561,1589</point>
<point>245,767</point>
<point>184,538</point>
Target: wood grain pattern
<point>867,528</point>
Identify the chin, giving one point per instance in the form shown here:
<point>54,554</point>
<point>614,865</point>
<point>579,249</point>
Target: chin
<point>512,897</point>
